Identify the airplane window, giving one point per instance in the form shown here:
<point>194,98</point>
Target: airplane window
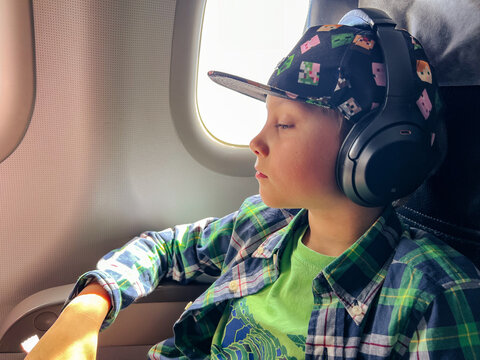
<point>246,38</point>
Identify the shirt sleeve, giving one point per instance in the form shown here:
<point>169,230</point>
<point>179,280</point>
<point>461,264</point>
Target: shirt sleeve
<point>180,253</point>
<point>450,327</point>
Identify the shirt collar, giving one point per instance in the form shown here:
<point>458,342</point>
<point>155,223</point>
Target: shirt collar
<point>276,240</point>
<point>358,273</point>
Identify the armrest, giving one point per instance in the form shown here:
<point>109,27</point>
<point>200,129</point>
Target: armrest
<point>145,322</point>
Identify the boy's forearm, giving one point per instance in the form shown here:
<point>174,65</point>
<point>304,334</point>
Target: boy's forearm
<point>75,333</point>
<point>92,303</point>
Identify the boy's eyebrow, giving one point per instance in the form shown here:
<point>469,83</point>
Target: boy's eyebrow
<point>285,114</point>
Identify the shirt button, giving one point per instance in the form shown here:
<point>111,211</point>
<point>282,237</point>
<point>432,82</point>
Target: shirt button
<point>357,310</point>
<point>233,286</point>
<point>188,305</point>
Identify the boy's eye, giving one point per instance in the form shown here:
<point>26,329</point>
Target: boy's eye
<point>283,126</point>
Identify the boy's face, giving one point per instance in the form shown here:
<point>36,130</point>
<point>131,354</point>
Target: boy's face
<point>296,153</point>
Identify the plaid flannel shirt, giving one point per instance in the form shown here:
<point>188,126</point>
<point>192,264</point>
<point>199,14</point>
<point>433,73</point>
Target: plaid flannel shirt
<point>396,293</point>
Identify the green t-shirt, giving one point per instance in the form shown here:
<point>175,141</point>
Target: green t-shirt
<point>273,323</point>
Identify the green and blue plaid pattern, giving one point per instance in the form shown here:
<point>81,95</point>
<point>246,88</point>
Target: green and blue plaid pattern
<point>396,293</point>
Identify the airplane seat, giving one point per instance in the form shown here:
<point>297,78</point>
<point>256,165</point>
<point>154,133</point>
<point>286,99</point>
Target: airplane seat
<point>448,203</point>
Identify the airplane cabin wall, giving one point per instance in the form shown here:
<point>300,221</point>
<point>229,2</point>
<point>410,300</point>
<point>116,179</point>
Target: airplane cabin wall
<point>101,161</point>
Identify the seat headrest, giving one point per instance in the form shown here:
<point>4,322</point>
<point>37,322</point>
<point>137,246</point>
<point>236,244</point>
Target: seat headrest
<point>449,31</point>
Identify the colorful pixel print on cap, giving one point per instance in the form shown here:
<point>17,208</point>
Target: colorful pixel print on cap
<point>340,67</point>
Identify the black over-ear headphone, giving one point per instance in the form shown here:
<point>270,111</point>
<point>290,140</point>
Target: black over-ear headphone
<point>388,153</point>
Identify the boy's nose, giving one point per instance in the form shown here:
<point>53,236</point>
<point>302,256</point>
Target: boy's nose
<point>258,146</point>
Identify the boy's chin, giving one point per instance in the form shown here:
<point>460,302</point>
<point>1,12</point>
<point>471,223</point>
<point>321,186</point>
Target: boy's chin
<point>274,202</point>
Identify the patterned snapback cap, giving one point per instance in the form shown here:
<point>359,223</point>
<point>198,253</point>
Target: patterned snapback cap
<point>340,67</point>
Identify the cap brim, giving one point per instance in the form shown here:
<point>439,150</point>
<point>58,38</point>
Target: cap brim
<point>249,87</point>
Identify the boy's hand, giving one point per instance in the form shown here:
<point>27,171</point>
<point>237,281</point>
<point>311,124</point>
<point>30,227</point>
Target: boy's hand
<point>75,333</point>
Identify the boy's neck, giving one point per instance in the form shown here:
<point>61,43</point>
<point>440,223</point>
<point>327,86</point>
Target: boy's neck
<point>332,232</point>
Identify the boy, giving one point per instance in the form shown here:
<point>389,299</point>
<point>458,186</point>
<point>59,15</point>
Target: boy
<point>333,280</point>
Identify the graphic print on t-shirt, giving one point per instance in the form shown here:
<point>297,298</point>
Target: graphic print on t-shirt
<point>244,338</point>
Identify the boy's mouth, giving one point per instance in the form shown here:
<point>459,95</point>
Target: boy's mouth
<point>260,175</point>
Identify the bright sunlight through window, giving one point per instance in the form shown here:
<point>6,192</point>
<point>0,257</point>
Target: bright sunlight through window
<point>245,38</point>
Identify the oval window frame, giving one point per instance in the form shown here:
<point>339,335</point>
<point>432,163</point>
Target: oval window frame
<point>219,157</point>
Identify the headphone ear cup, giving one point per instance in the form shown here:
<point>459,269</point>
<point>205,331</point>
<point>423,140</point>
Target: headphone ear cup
<point>344,166</point>
<point>389,165</point>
